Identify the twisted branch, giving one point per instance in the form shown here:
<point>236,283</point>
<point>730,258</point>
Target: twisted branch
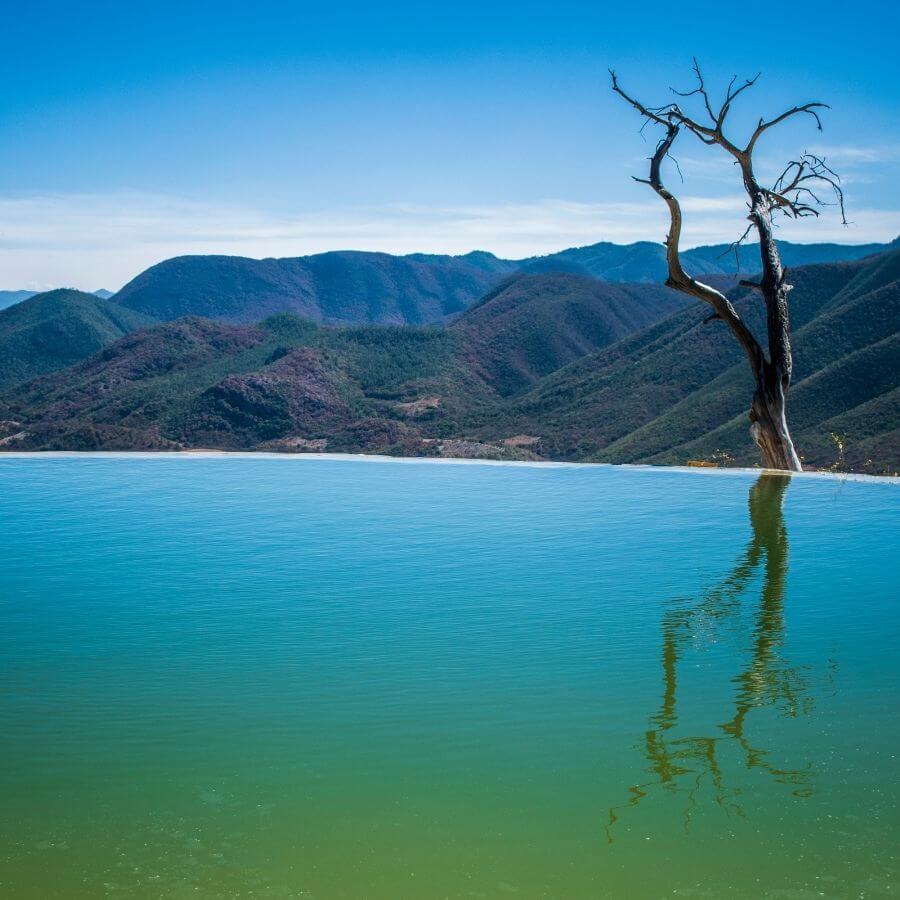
<point>764,126</point>
<point>677,277</point>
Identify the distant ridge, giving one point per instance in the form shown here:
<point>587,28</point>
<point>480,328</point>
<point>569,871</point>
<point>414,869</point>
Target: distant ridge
<point>339,287</point>
<point>354,287</point>
<point>9,298</point>
<point>645,261</point>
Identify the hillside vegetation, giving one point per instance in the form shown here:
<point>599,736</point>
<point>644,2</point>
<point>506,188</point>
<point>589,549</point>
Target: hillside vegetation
<point>679,390</point>
<point>532,325</point>
<point>553,366</point>
<point>196,382</point>
<point>50,331</point>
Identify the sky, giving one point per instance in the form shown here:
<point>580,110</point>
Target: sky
<point>133,132</point>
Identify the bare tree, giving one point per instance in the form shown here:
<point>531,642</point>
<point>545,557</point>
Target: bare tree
<point>794,194</point>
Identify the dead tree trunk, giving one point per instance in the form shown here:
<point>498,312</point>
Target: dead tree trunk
<point>768,410</point>
<point>792,195</point>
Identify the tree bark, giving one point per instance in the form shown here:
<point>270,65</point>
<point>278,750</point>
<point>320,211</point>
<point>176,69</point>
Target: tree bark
<point>768,411</point>
<point>768,424</point>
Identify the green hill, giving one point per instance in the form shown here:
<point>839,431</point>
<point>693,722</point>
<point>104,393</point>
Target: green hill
<point>533,325</point>
<point>9,298</point>
<point>680,389</point>
<point>50,331</point>
<point>194,382</point>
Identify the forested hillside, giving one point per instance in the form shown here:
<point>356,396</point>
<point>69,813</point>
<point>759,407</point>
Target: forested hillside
<point>50,331</point>
<point>544,366</point>
<point>680,389</point>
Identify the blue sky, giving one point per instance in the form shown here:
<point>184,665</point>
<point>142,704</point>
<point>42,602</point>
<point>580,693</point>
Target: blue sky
<point>130,132</point>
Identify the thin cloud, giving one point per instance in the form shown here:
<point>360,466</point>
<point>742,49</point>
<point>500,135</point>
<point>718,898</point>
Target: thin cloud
<point>858,156</point>
<point>103,240</point>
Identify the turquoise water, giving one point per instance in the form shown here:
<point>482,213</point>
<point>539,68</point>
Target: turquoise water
<point>254,677</point>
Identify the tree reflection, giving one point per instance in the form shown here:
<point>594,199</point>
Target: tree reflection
<point>680,764</point>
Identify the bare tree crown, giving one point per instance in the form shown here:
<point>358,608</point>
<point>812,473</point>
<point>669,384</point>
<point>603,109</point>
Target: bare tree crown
<point>796,192</point>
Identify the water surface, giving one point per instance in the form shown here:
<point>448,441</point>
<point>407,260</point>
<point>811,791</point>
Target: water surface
<point>233,677</point>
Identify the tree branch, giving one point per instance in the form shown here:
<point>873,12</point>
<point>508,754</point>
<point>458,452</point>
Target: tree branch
<point>731,96</point>
<point>677,277</point>
<point>764,126</point>
<point>672,112</point>
<point>792,195</point>
<point>701,90</point>
<point>735,246</point>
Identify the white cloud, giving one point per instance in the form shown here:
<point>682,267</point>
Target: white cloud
<point>103,240</point>
<point>845,155</point>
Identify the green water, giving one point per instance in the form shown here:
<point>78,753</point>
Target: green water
<point>233,677</point>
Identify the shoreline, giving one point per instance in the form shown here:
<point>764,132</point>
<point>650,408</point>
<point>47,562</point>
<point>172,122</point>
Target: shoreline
<point>380,458</point>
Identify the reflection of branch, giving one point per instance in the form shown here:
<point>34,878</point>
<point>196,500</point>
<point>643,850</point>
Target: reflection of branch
<point>762,682</point>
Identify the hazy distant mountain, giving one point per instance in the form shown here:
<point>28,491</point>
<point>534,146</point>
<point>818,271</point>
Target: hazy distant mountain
<point>50,331</point>
<point>377,288</point>
<point>645,261</point>
<point>8,298</point>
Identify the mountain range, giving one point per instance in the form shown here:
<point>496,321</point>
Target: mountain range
<point>544,365</point>
<point>352,287</point>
